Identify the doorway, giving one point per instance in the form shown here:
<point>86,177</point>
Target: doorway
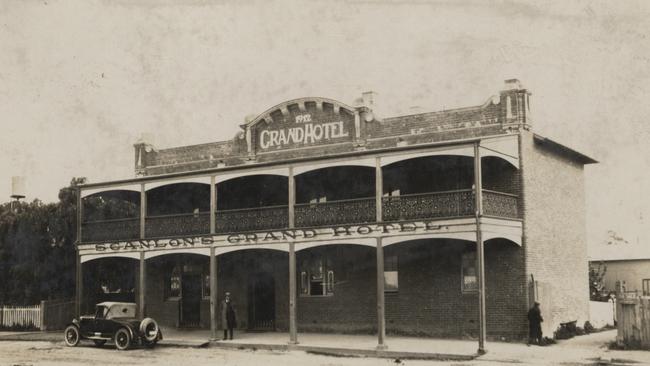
<point>261,302</point>
<point>191,300</point>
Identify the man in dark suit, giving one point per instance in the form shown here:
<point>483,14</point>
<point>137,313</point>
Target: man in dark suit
<point>228,316</point>
<point>535,324</point>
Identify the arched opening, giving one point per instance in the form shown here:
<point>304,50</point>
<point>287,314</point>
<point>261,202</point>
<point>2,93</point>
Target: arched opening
<point>254,202</point>
<point>336,195</point>
<point>109,212</point>
<point>178,290</point>
<point>178,209</point>
<point>428,187</point>
<point>108,279</point>
<point>336,286</point>
<point>501,187</point>
<point>256,281</point>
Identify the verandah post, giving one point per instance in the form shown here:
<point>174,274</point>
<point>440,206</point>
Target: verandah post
<point>143,210</point>
<point>213,294</point>
<point>293,328</point>
<point>381,313</point>
<point>480,256</point>
<point>143,284</point>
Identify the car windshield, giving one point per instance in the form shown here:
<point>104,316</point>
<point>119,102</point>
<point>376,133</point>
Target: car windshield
<point>101,311</point>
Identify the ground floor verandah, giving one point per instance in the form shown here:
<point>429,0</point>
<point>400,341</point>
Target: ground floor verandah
<point>428,288</point>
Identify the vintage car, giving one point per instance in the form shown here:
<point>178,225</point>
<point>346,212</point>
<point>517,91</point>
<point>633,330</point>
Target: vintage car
<point>113,321</point>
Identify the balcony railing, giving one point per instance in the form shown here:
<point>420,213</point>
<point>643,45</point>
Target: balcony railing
<point>177,225</point>
<point>354,211</point>
<point>434,205</point>
<point>258,218</point>
<point>500,204</point>
<point>110,229</point>
<point>429,205</point>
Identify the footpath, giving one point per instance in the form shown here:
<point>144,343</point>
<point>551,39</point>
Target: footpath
<point>582,350</point>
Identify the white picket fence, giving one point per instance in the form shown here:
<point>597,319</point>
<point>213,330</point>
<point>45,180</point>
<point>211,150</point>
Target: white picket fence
<point>20,316</point>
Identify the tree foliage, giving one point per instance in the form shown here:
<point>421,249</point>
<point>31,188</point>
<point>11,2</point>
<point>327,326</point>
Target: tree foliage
<point>37,249</point>
<point>597,290</point>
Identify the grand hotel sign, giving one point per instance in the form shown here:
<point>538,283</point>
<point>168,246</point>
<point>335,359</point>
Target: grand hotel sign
<point>308,125</point>
<point>275,236</point>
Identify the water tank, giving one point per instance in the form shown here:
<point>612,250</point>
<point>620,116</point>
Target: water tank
<point>17,187</point>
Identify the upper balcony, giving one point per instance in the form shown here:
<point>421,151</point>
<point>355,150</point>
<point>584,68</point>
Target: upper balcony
<point>424,188</point>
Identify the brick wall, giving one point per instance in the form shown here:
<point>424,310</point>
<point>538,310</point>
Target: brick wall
<point>554,232</point>
<point>429,301</point>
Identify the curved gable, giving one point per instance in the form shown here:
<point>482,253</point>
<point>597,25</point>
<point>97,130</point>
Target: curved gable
<point>303,122</point>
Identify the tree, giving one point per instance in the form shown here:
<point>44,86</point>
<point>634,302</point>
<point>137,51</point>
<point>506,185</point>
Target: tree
<point>597,290</point>
<point>37,249</point>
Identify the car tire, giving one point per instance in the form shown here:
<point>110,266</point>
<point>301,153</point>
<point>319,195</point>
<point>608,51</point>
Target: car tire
<point>71,336</point>
<point>122,339</point>
<point>149,330</point>
<point>99,342</point>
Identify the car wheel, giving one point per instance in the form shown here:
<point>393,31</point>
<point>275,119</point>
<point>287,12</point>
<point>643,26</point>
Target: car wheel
<point>99,342</point>
<point>149,330</point>
<point>71,335</point>
<point>122,339</point>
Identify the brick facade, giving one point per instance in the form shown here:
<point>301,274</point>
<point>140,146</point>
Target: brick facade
<point>548,187</point>
<point>555,231</point>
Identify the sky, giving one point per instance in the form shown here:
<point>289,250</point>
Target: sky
<point>81,81</point>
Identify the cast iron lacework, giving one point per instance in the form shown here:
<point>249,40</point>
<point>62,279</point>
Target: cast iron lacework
<point>355,211</point>
<point>499,204</point>
<point>110,229</point>
<point>429,205</point>
<point>260,218</point>
<point>458,203</point>
<point>174,225</point>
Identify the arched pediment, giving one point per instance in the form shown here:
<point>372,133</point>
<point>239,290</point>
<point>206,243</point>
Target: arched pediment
<point>302,123</point>
<point>301,104</point>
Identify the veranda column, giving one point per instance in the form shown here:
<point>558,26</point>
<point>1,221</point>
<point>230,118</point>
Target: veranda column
<point>78,277</point>
<point>143,285</point>
<point>213,294</point>
<point>381,313</point>
<point>213,205</point>
<point>80,208</point>
<point>293,328</point>
<point>480,260</point>
<point>143,209</point>
<point>79,282</point>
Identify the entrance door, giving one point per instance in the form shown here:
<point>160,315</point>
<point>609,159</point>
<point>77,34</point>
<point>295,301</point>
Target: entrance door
<point>261,302</point>
<point>191,300</point>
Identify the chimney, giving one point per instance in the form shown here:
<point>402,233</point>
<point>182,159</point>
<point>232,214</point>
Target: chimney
<point>515,107</point>
<point>368,99</point>
<point>143,147</point>
<point>512,84</point>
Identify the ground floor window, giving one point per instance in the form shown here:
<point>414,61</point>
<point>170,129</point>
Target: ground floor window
<point>391,270</point>
<point>173,283</point>
<point>646,287</point>
<point>316,279</point>
<point>468,272</point>
<point>206,283</point>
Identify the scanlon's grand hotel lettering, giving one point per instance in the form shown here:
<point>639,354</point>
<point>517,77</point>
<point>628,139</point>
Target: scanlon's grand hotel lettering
<point>430,224</point>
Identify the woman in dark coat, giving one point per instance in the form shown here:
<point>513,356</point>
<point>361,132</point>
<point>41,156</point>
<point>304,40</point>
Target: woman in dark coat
<point>535,324</point>
<point>228,316</point>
